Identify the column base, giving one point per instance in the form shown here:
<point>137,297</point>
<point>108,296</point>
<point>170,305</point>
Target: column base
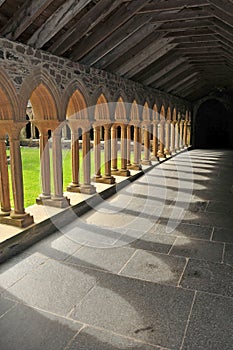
<point>73,188</point>
<point>146,162</point>
<point>154,159</point>
<point>135,167</point>
<point>161,155</point>
<point>121,172</point>
<point>18,220</point>
<point>62,202</point>
<point>87,189</point>
<point>110,180</point>
<point>4,213</point>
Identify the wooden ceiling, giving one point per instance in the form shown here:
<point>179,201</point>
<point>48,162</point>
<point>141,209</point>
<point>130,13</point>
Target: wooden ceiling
<point>183,47</point>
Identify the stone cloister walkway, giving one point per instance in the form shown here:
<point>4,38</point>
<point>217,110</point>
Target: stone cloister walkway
<point>149,268</point>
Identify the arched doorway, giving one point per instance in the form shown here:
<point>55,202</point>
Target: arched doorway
<point>212,125</point>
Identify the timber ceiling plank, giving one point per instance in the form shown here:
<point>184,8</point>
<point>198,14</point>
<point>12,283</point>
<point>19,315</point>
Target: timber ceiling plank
<point>125,12</point>
<point>56,22</point>
<point>24,17</point>
<point>89,21</point>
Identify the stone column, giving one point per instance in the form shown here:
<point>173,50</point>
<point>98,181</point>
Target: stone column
<point>44,166</point>
<point>18,215</point>
<point>97,154</point>
<point>74,186</point>
<point>146,160</point>
<point>136,146</point>
<point>155,141</point>
<point>128,156</point>
<point>58,200</point>
<point>167,139</point>
<point>107,178</point>
<point>4,180</point>
<point>181,134</point>
<point>185,134</point>
<point>124,171</point>
<point>177,136</point>
<point>173,125</point>
<point>189,133</point>
<point>114,149</point>
<point>161,139</point>
<point>86,187</point>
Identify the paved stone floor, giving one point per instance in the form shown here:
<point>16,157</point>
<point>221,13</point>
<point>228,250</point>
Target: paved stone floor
<point>150,268</point>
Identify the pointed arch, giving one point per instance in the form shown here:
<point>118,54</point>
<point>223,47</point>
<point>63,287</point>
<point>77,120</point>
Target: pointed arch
<point>77,106</point>
<point>134,112</point>
<point>146,112</point>
<point>102,109</point>
<point>162,112</point>
<point>120,110</point>
<point>155,112</point>
<point>8,98</point>
<point>42,91</point>
<point>169,114</point>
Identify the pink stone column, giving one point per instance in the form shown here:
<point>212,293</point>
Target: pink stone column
<point>4,180</point>
<point>18,215</point>
<point>108,178</point>
<point>181,134</point>
<point>185,134</point>
<point>74,186</point>
<point>44,166</point>
<point>97,153</point>
<point>128,156</point>
<point>114,148</point>
<point>155,141</point>
<point>86,187</point>
<point>173,125</point>
<point>124,171</point>
<point>136,163</point>
<point>161,139</point>
<point>146,160</point>
<point>168,138</point>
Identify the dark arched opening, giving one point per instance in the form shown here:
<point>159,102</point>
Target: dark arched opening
<point>212,126</point>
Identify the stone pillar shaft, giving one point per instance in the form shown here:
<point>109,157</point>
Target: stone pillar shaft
<point>16,177</point>
<point>45,164</point>
<point>146,160</point>
<point>123,147</point>
<point>107,151</point>
<point>161,139</point>
<point>4,180</point>
<point>167,139</point>
<point>97,152</point>
<point>185,134</point>
<point>136,145</point>
<point>173,137</point>
<point>155,141</point>
<point>86,157</point>
<point>57,165</point>
<point>114,147</point>
<point>128,145</point>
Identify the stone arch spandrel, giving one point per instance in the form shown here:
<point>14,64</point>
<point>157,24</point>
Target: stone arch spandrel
<point>45,98</point>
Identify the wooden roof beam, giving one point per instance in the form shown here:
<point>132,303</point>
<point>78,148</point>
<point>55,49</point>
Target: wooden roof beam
<point>56,22</point>
<point>121,16</point>
<point>172,5</point>
<point>193,77</point>
<point>24,17</point>
<point>181,68</point>
<point>162,72</point>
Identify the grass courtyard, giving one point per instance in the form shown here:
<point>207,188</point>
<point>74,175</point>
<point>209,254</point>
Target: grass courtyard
<point>31,172</point>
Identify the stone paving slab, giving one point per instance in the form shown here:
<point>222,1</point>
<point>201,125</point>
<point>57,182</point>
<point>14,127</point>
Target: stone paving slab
<point>208,277</point>
<point>223,235</point>
<point>228,255</point>
<point>34,329</point>
<point>210,325</point>
<point>54,287</point>
<point>155,267</point>
<point>197,249</point>
<point>185,230</point>
<point>142,310</point>
<point>96,339</point>
<point>110,259</point>
<point>154,242</point>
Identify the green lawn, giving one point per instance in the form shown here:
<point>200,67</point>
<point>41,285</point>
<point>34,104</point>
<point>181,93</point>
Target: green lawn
<point>31,172</point>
